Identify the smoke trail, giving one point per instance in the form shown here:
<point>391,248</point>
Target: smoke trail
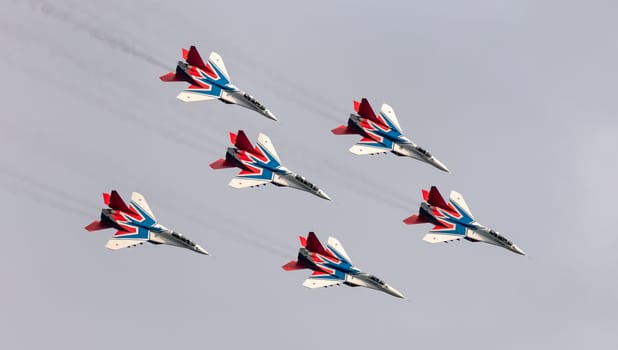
<point>48,194</point>
<point>50,9</point>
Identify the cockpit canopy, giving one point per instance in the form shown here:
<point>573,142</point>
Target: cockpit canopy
<point>377,280</point>
<point>183,239</point>
<point>254,102</point>
<point>306,182</point>
<point>423,151</point>
<point>499,237</point>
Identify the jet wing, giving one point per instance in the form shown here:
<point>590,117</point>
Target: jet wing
<point>243,182</point>
<point>388,114</point>
<point>267,145</point>
<point>456,199</point>
<point>364,148</point>
<point>216,60</point>
<point>139,201</point>
<point>432,237</point>
<point>115,243</point>
<point>334,245</point>
<point>321,282</point>
<point>195,93</point>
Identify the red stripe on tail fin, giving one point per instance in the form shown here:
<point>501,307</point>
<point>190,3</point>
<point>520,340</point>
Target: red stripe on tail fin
<point>303,241</point>
<point>193,58</point>
<point>116,203</point>
<point>106,198</point>
<point>365,111</point>
<point>356,105</point>
<point>222,164</point>
<point>414,219</point>
<point>242,142</point>
<point>185,53</point>
<point>314,245</point>
<point>435,199</point>
<point>97,225</point>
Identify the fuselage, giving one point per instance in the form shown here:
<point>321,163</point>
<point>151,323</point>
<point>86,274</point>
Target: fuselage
<point>228,93</point>
<point>142,227</point>
<point>351,275</point>
<point>470,229</point>
<point>391,137</point>
<point>263,166</point>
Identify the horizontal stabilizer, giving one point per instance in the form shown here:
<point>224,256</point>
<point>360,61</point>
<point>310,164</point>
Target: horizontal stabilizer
<point>343,130</point>
<point>321,282</point>
<point>241,141</point>
<point>293,265</point>
<point>222,164</point>
<point>415,219</point>
<point>438,238</point>
<point>171,76</point>
<point>435,199</point>
<point>97,225</point>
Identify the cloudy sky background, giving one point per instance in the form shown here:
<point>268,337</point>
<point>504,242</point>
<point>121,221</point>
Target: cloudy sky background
<point>517,98</point>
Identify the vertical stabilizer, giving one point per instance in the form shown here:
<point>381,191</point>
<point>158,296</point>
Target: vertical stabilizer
<point>435,199</point>
<point>241,141</point>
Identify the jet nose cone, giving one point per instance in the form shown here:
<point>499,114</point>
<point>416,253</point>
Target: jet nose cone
<point>438,164</point>
<point>200,250</point>
<point>269,115</point>
<point>323,194</point>
<point>394,292</point>
<point>517,250</point>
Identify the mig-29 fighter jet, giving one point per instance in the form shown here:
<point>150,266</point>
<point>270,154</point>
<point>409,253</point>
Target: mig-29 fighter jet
<point>381,133</point>
<point>261,165</point>
<point>136,224</point>
<point>332,266</point>
<point>453,221</point>
<point>210,80</point>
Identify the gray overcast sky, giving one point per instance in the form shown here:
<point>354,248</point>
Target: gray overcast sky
<point>517,98</point>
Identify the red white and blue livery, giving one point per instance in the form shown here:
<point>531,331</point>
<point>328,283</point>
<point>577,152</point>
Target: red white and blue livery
<point>210,80</point>
<point>332,266</point>
<point>135,224</point>
<point>382,133</point>
<point>453,221</point>
<point>261,165</point>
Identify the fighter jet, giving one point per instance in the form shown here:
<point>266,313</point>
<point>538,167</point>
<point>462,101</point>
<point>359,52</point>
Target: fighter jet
<point>381,133</point>
<point>260,165</point>
<point>453,221</point>
<point>210,80</point>
<point>136,224</point>
<point>332,266</point>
